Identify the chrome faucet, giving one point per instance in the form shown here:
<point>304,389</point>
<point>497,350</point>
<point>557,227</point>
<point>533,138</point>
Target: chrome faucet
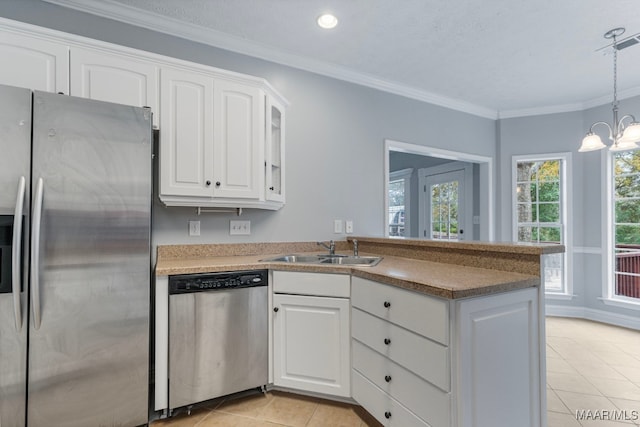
<point>331,247</point>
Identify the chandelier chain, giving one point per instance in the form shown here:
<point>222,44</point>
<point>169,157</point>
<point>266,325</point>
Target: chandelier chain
<point>615,72</point>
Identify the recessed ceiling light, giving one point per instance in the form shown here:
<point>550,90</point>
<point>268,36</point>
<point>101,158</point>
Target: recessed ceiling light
<point>327,21</point>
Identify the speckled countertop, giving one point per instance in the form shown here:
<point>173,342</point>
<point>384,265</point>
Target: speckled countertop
<point>445,269</point>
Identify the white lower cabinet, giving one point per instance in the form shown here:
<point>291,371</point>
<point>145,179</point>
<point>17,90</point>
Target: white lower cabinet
<point>311,333</point>
<point>426,361</point>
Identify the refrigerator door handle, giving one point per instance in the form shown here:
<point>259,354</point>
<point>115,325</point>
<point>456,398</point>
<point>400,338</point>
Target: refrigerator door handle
<point>35,253</point>
<point>16,261</point>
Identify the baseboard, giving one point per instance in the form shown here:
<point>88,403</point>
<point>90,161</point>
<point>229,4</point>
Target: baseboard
<point>631,322</point>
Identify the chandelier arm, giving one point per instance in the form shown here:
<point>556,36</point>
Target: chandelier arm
<point>602,123</point>
<point>626,116</point>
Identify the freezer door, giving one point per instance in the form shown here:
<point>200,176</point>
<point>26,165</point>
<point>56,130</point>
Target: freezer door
<point>89,336</point>
<point>15,153</point>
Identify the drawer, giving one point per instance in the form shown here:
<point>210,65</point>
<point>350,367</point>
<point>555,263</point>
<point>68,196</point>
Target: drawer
<point>315,284</point>
<point>423,357</point>
<point>423,399</point>
<point>422,314</point>
<point>380,405</point>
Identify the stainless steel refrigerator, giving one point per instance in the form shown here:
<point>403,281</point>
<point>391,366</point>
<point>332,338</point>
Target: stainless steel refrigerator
<point>75,205</point>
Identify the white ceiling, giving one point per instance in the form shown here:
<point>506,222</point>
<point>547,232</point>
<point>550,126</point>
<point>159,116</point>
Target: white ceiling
<point>492,58</point>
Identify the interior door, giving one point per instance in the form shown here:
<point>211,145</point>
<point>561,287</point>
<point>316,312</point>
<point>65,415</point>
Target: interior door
<point>443,215</point>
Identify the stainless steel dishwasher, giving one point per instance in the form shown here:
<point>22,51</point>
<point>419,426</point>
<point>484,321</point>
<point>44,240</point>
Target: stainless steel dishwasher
<point>218,335</point>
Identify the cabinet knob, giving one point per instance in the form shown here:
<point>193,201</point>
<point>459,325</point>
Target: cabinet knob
<point>217,183</point>
<point>387,378</point>
<point>208,183</point>
<point>387,304</point>
<point>387,415</point>
<point>271,188</point>
<point>387,341</point>
<point>276,309</point>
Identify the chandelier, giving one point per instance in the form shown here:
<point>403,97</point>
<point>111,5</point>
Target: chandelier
<point>622,137</point>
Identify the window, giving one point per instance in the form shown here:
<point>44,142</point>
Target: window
<point>444,211</point>
<point>399,202</point>
<point>626,226</point>
<point>540,211</point>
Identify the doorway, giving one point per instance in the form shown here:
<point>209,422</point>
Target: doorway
<point>480,193</point>
<point>446,202</point>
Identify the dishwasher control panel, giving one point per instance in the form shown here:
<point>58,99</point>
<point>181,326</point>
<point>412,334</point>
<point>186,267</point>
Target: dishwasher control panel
<point>216,281</point>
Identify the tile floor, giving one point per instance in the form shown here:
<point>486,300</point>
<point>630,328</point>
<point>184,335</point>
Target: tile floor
<point>590,366</point>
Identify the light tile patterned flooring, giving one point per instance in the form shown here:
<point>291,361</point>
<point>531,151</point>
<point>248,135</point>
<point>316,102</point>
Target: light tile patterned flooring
<point>590,366</point>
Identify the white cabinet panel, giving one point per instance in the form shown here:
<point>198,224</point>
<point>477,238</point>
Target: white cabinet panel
<point>499,360</point>
<point>239,136</point>
<point>312,344</point>
<point>186,140</point>
<point>114,78</point>
<point>34,63</point>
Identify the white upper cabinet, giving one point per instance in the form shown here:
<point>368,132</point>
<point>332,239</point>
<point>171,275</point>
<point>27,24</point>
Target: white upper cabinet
<point>110,77</point>
<point>238,145</point>
<point>186,123</point>
<point>34,63</point>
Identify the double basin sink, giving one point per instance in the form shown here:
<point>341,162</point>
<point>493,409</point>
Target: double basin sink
<point>324,259</point>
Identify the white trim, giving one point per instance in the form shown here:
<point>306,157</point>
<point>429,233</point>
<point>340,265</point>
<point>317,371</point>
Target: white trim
<point>627,303</point>
<point>156,22</point>
<point>566,182</point>
<point>486,179</point>
<point>587,250</point>
<point>622,320</point>
<point>405,174</point>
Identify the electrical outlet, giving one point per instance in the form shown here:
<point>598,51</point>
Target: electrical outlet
<point>348,226</point>
<point>194,228</point>
<point>337,226</point>
<point>240,228</point>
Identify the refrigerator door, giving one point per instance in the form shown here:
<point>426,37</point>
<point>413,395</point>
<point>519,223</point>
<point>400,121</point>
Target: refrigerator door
<point>90,271</point>
<point>15,153</point>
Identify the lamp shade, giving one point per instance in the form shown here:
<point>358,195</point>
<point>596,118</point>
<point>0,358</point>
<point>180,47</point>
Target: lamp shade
<point>591,142</point>
<point>631,133</point>
<point>621,145</point>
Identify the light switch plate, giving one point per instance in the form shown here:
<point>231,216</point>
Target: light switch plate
<point>194,228</point>
<point>239,228</point>
<point>337,226</point>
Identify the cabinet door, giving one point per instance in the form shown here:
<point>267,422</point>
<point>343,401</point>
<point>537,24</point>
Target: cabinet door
<point>311,344</point>
<point>186,141</point>
<point>33,63</point>
<point>239,141</point>
<point>114,78</point>
<point>274,151</point>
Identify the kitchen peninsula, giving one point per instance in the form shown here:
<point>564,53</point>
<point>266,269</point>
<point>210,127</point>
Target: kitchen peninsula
<point>436,334</point>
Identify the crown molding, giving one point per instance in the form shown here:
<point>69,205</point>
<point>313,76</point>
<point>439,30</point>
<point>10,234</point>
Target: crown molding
<point>151,21</point>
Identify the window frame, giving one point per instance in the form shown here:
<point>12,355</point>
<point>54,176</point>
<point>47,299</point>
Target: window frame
<point>566,212</point>
<point>608,237</point>
<point>406,175</point>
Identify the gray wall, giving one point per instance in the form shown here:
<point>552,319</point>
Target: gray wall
<point>563,133</point>
<point>335,136</point>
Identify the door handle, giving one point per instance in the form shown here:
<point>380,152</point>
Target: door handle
<point>35,253</point>
<point>16,261</point>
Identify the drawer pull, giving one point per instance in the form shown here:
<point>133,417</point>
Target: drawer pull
<point>276,309</point>
<point>387,378</point>
<point>387,341</point>
<point>387,415</point>
<point>387,304</point>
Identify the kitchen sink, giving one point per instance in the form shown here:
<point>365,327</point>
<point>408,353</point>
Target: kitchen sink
<point>361,261</point>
